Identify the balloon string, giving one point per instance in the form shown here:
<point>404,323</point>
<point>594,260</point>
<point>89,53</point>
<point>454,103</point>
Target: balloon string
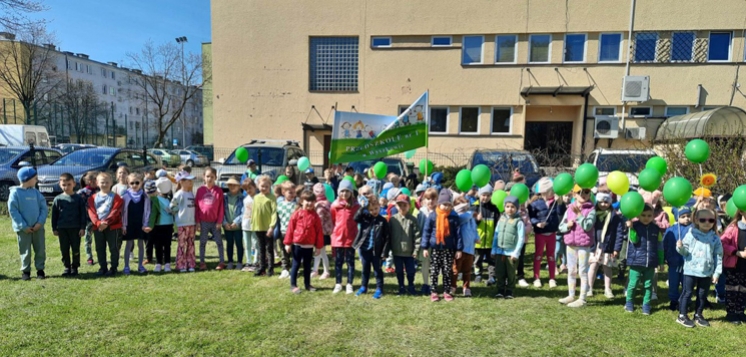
<point>550,211</point>
<point>702,191</point>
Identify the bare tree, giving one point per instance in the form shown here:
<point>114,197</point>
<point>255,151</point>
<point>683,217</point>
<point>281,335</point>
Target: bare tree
<point>81,107</point>
<point>28,69</point>
<point>13,14</point>
<point>169,81</point>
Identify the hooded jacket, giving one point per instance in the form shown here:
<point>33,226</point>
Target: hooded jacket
<point>729,239</point>
<point>345,228</point>
<point>486,226</point>
<point>375,228</point>
<point>672,257</point>
<point>468,229</point>
<point>27,207</point>
<point>304,228</point>
<point>645,248</point>
<point>235,210</point>
<point>542,211</point>
<point>703,254</point>
<point>453,241</point>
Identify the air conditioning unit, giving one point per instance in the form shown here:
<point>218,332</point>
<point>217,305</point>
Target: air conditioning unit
<point>636,89</point>
<point>635,133</point>
<point>606,127</point>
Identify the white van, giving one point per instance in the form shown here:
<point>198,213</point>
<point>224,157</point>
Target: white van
<point>631,162</point>
<point>22,135</point>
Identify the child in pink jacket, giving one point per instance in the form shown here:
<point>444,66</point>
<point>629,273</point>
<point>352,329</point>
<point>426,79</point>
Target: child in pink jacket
<point>345,229</point>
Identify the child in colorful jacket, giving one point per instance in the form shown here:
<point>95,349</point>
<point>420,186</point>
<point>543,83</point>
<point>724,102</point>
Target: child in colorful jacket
<point>372,242</point>
<point>487,216</point>
<point>674,260</point>
<point>345,229</point>
<point>544,215</point>
<point>469,235</point>
<point>609,229</point>
<point>577,224</point>
<point>509,237</point>
<point>405,241</point>
<point>304,233</point>
<point>442,241</point>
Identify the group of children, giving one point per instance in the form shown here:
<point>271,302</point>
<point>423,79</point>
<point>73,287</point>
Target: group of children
<point>448,234</point>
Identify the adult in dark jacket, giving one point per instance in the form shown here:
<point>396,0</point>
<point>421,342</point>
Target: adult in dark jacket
<point>609,229</point>
<point>372,242</point>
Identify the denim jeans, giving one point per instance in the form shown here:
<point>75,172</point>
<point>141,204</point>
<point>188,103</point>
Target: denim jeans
<point>368,258</point>
<point>401,264</point>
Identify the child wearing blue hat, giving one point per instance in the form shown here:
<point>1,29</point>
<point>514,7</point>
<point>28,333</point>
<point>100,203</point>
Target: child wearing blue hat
<point>28,212</point>
<point>673,259</point>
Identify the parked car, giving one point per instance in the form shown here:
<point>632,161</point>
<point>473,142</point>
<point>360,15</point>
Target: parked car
<point>503,163</point>
<point>18,135</point>
<point>271,157</point>
<point>77,163</point>
<point>191,158</point>
<point>631,162</point>
<point>167,158</point>
<point>68,148</point>
<point>13,158</point>
<point>395,166</point>
<point>207,150</point>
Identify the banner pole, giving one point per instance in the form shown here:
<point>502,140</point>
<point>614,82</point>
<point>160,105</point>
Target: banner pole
<point>427,132</point>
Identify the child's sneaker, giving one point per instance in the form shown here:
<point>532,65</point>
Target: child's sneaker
<point>411,290</point>
<point>90,261</point>
<point>577,303</point>
<point>202,266</point>
<point>191,270</point>
<point>402,291</point>
<point>229,266</point>
<point>523,283</point>
<point>101,272</point>
<point>126,271</point>
<point>467,292</point>
<point>310,288</point>
<point>40,275</point>
<point>500,294</point>
<point>285,274</point>
<point>26,276</point>
<point>654,297</point>
<point>453,291</point>
<point>673,306</point>
<point>478,279</point>
<point>324,276</point>
<point>74,272</point>
<point>425,290</point>
<point>646,309</point>
<point>700,321</point>
<point>220,266</point>
<point>238,266</point>
<point>167,268</point>
<point>349,289</point>
<point>296,290</point>
<point>434,297</point>
<point>733,318</point>
<point>609,295</point>
<point>337,288</point>
<point>378,294</point>
<point>508,294</point>
<point>66,272</point>
<point>247,268</point>
<point>537,283</point>
<point>314,274</point>
<point>491,281</point>
<point>182,270</point>
<point>141,269</point>
<point>684,320</point>
<point>628,307</point>
<point>552,284</point>
<point>447,297</point>
<point>566,300</point>
<point>589,293</point>
<point>390,270</point>
<point>157,268</point>
<point>361,291</point>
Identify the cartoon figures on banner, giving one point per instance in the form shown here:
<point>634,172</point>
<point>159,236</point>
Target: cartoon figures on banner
<point>346,129</point>
<point>369,130</point>
<point>358,128</point>
<point>405,119</point>
<point>418,113</point>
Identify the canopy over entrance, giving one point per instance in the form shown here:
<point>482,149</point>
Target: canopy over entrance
<point>720,122</point>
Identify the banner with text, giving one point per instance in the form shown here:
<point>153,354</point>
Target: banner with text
<point>360,137</point>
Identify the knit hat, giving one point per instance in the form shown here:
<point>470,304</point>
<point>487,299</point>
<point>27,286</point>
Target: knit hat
<point>512,200</point>
<point>344,185</point>
<point>486,190</point>
<point>420,188</point>
<point>319,190</point>
<point>149,187</point>
<point>445,196</point>
<point>603,196</point>
<point>164,185</point>
<point>26,173</point>
<point>544,185</point>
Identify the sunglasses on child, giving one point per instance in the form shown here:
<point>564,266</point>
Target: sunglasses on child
<point>585,192</point>
<point>134,183</point>
<point>707,220</point>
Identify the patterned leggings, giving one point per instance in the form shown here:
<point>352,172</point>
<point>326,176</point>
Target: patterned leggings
<point>735,291</point>
<point>185,249</point>
<point>441,262</point>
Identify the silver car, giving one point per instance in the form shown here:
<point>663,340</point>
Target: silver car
<point>271,157</point>
<point>191,158</point>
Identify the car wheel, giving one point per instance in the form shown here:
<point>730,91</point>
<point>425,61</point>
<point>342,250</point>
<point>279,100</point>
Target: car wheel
<point>4,191</point>
<point>190,163</point>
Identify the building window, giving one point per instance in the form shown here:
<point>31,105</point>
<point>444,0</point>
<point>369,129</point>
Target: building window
<point>103,72</point>
<point>640,111</point>
<point>610,47</point>
<point>645,45</point>
<point>506,48</point>
<point>441,41</point>
<point>575,47</point>
<point>682,46</point>
<point>439,120</point>
<point>719,46</point>
<point>137,111</point>
<point>111,91</point>
<point>104,91</point>
<point>671,111</point>
<point>539,48</point>
<point>112,74</point>
<point>471,52</point>
<point>469,120</point>
<point>380,42</point>
<point>334,64</point>
<point>502,121</point>
<point>598,111</point>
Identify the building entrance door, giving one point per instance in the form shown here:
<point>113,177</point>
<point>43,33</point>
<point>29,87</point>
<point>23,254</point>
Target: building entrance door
<point>550,142</point>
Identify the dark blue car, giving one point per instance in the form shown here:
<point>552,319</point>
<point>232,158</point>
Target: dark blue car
<point>13,158</point>
<point>78,162</point>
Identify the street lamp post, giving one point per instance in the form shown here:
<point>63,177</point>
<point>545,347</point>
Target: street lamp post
<point>181,40</point>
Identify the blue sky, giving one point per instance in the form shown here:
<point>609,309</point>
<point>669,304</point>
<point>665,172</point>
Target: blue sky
<point>106,29</point>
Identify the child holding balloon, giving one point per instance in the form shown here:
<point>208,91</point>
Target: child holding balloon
<point>673,259</point>
<point>609,229</point>
<point>577,224</point>
<point>544,216</point>
<point>644,254</point>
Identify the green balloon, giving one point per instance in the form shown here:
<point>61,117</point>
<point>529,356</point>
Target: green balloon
<point>281,179</point>
<point>658,164</point>
<point>586,175</point>
<point>481,175</point>
<point>521,191</point>
<point>380,169</point>
<point>406,191</point>
<point>463,180</point>
<point>631,204</point>
<point>329,192</point>
<point>739,197</point>
<point>352,180</point>
<point>731,209</point>
<point>649,179</point>
<point>303,164</point>
<point>242,155</point>
<point>563,184</point>
<point>426,167</point>
<point>498,199</point>
<point>697,151</point>
<point>677,191</point>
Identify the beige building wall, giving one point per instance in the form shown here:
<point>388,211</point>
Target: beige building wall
<point>260,63</point>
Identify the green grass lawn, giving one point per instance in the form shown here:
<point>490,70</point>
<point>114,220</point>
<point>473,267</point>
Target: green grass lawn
<point>232,313</point>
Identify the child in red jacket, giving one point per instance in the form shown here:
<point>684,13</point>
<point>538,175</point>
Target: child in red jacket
<point>304,233</point>
<point>345,229</point>
<point>105,211</point>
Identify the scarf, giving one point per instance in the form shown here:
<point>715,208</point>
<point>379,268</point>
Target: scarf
<point>136,195</point>
<point>441,226</point>
<point>601,215</point>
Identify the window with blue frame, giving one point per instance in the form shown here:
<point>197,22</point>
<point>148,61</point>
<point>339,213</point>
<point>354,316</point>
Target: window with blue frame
<point>381,42</point>
<point>682,46</point>
<point>574,48</point>
<point>645,46</point>
<point>441,41</point>
<point>611,44</point>
<point>471,52</point>
<point>333,63</point>
<point>719,46</point>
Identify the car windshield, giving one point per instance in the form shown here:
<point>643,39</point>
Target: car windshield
<point>622,162</point>
<point>8,154</point>
<point>392,165</point>
<point>506,162</point>
<point>84,158</point>
<point>270,156</point>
